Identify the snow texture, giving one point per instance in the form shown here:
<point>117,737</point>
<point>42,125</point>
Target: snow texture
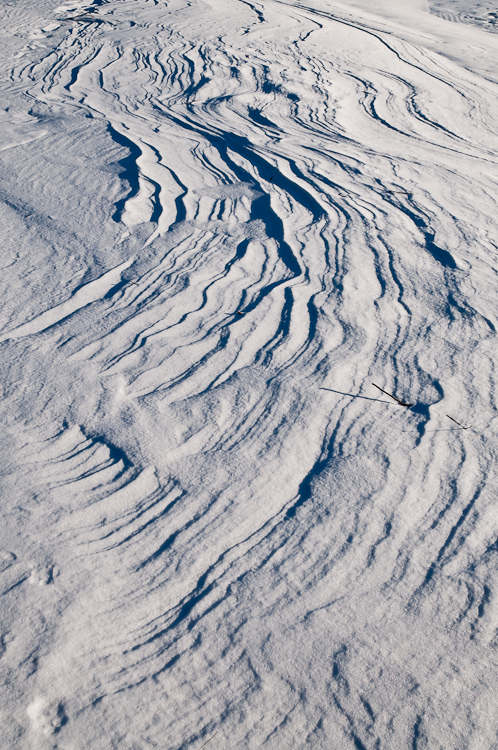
<point>483,14</point>
<point>222,222</point>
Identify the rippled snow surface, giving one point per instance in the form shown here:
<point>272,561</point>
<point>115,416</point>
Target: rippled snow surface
<point>483,13</point>
<point>222,222</point>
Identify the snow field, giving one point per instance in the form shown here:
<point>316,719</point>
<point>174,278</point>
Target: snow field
<point>222,222</point>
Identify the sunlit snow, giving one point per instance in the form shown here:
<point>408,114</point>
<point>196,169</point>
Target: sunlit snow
<point>224,221</point>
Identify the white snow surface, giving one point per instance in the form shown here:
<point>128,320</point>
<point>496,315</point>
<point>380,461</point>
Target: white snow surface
<point>222,222</point>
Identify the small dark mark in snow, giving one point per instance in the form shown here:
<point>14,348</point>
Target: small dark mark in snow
<point>209,740</point>
<point>401,403</point>
<point>458,423</point>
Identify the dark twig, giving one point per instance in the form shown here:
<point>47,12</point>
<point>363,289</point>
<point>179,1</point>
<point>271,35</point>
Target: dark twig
<point>209,740</point>
<point>401,403</point>
<point>458,423</point>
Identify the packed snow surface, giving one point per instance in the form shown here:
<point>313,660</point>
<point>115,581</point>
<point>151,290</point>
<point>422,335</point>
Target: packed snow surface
<point>222,222</point>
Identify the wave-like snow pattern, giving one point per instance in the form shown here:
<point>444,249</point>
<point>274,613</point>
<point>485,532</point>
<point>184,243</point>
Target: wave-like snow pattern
<point>478,12</point>
<point>227,221</point>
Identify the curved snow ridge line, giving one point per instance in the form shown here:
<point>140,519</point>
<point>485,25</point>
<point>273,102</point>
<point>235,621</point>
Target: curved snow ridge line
<point>77,466</point>
<point>85,295</point>
<point>150,181</point>
<point>421,67</point>
<point>143,202</point>
<point>287,329</point>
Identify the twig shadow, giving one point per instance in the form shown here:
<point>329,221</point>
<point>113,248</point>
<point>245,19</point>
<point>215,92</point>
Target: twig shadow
<point>449,429</point>
<point>355,395</point>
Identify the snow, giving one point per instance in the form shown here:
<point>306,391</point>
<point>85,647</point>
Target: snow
<point>223,222</point>
<point>483,14</point>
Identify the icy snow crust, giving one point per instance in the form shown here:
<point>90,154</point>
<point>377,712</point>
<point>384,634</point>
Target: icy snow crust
<point>222,221</point>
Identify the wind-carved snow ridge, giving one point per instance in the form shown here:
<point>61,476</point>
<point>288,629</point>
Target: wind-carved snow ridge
<point>224,222</point>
